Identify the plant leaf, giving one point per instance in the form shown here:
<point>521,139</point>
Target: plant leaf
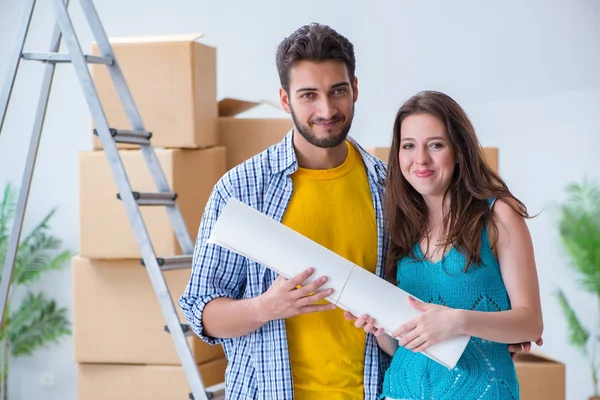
<point>7,213</point>
<point>8,208</point>
<point>579,228</point>
<point>36,323</point>
<point>41,227</point>
<point>27,272</point>
<point>578,335</point>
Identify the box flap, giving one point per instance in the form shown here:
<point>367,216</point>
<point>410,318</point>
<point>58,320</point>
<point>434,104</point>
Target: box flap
<point>184,37</point>
<point>273,103</point>
<point>229,107</point>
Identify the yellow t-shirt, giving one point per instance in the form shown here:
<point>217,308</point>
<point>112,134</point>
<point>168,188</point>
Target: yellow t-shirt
<point>335,209</point>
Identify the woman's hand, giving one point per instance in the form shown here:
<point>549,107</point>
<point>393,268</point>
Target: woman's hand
<point>364,321</point>
<point>436,324</point>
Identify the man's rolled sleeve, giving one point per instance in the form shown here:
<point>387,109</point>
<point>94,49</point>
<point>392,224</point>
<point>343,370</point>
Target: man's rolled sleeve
<point>216,272</point>
<point>196,317</point>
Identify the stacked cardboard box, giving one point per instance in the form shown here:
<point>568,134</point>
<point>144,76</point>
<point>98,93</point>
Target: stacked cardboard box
<point>245,137</point>
<point>540,377</point>
<point>122,349</point>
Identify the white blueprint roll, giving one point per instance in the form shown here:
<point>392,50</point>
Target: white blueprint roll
<point>248,232</point>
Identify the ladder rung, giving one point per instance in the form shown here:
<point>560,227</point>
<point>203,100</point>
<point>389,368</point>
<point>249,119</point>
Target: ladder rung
<point>153,199</point>
<point>216,391</point>
<point>213,392</point>
<point>129,137</point>
<point>187,331</point>
<point>65,58</point>
<point>73,55</point>
<point>174,262</point>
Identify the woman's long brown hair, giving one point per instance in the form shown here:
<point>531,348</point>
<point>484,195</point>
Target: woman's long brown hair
<point>472,184</point>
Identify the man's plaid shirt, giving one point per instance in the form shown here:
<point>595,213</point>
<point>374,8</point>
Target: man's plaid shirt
<point>259,366</point>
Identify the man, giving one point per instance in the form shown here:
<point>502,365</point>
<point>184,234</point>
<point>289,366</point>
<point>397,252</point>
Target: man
<point>281,341</point>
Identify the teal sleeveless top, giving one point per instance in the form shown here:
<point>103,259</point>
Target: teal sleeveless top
<point>485,370</point>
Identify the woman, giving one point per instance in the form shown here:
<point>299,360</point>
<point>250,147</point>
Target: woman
<point>459,242</point>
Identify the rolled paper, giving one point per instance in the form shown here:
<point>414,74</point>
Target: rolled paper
<point>247,232</point>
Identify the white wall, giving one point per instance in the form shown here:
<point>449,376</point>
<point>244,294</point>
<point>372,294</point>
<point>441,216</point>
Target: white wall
<point>526,72</point>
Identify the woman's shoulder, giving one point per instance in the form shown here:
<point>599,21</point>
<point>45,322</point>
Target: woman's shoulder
<point>505,210</point>
<point>505,217</point>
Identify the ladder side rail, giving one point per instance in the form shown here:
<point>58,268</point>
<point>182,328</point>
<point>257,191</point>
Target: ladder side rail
<point>131,207</point>
<point>135,120</point>
<point>28,172</point>
<point>15,59</point>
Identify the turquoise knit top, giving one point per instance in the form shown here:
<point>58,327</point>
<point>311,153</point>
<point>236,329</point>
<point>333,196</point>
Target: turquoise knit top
<point>485,370</point>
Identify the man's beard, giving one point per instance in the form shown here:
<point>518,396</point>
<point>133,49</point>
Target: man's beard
<point>327,141</point>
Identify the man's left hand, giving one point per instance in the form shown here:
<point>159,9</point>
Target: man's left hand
<point>524,347</point>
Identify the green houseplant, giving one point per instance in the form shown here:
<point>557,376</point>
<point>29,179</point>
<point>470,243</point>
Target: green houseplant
<point>579,228</point>
<point>31,320</point>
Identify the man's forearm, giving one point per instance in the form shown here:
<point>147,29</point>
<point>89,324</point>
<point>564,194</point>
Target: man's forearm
<point>228,318</point>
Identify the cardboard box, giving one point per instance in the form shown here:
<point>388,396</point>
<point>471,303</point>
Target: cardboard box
<point>490,154</point>
<point>246,137</point>
<point>540,377</point>
<point>382,153</point>
<point>173,81</point>
<point>142,382</point>
<point>117,318</point>
<point>105,230</point>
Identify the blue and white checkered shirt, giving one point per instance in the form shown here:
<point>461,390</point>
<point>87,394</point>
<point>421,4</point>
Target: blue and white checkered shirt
<point>259,366</point>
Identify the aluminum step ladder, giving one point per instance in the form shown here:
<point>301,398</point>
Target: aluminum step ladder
<point>109,137</point>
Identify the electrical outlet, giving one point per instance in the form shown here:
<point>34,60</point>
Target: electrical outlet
<point>47,380</point>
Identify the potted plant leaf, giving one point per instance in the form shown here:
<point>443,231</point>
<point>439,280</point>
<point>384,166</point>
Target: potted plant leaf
<point>32,320</point>
<point>579,229</point>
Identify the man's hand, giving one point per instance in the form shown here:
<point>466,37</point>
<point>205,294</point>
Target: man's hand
<point>525,347</point>
<point>284,299</point>
<point>365,322</point>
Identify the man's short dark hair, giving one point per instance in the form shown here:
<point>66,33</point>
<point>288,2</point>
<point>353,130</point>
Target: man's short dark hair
<point>314,42</point>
